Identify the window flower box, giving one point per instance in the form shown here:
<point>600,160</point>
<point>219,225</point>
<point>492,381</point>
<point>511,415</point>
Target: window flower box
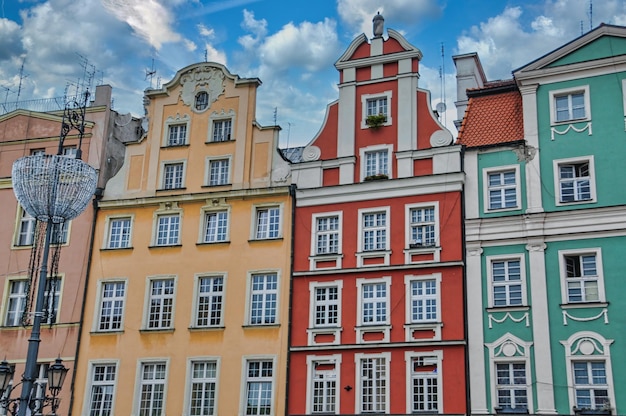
<point>376,120</point>
<point>376,177</point>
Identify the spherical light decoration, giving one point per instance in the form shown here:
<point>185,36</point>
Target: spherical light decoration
<point>53,188</point>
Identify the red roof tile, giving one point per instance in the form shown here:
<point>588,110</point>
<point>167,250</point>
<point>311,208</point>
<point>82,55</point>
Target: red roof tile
<point>493,116</point>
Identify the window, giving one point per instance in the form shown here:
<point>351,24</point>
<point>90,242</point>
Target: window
<point>511,387</point>
<point>202,100</point>
<point>377,106</point>
<point>215,226</point>
<point>373,306</point>
<point>26,229</point>
<point>37,152</point>
<point>59,233</point>
<point>203,386</point>
<point>52,296</point>
<point>219,172</point>
<point>424,300</point>
<point>161,303</point>
<point>502,189</point>
<point>326,305</point>
<point>152,389</point>
<point>324,313</point>
<point>263,298</point>
<point>168,230</point>
<point>267,223</point>
<point>590,384</point>
<point>506,282</point>
<point>173,175</point>
<point>102,389</point>
<point>570,105</point>
<point>374,231</point>
<point>582,277</point>
<point>210,301</point>
<point>376,163</point>
<point>424,395</point>
<point>70,151</point>
<point>222,130</point>
<point>177,135</point>
<point>324,388</point>
<point>16,302</point>
<point>259,387</point>
<point>327,235</point>
<point>574,182</point>
<point>112,296</point>
<point>423,227</point>
<point>373,383</point>
<point>119,232</point>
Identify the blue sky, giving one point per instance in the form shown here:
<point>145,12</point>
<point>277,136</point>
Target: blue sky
<point>290,45</point>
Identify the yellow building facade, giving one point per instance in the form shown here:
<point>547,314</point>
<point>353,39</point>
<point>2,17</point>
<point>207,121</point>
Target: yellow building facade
<point>187,300</point>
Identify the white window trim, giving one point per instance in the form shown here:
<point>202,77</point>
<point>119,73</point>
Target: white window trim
<point>366,97</point>
<point>209,101</point>
<point>567,91</point>
<point>164,163</point>
<point>138,380</point>
<point>147,297</point>
<point>376,148</point>
<point>588,346</point>
<point>386,253</point>
<point>563,274</point>
<point>249,297</point>
<point>408,357</point>
<point>173,121</point>
<point>189,366</point>
<point>6,295</point>
<point>253,220</point>
<point>194,314</point>
<point>508,349</point>
<point>506,257</point>
<point>311,362</point>
<point>410,327</point>
<point>518,192</point>
<point>207,169</point>
<point>357,364</point>
<point>222,115</point>
<point>313,331</point>
<point>244,380</point>
<point>89,384</point>
<point>16,232</point>
<point>95,326</point>
<point>166,209</point>
<point>624,101</point>
<point>315,258</point>
<point>107,230</point>
<point>381,327</point>
<point>557,183</point>
<point>61,279</point>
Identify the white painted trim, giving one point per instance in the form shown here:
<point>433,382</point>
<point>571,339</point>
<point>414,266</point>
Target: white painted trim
<point>196,296</point>
<point>563,273</point>
<point>314,330</point>
<point>148,297</point>
<point>434,325</point>
<point>279,289</point>
<point>553,94</point>
<point>505,257</point>
<point>358,388</point>
<point>311,362</point>
<point>207,169</point>
<point>89,383</point>
<point>189,372</point>
<point>485,191</point>
<point>408,356</point>
<point>175,121</point>
<point>363,151</point>
<point>95,324</point>
<point>244,380</point>
<point>107,230</point>
<point>366,97</point>
<point>557,182</point>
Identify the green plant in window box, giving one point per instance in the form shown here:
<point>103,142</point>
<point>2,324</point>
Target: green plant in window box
<point>376,177</point>
<point>376,120</point>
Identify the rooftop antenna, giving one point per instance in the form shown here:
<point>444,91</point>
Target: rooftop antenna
<point>441,107</point>
<point>590,14</point>
<point>289,124</point>
<point>150,73</point>
<point>89,71</point>
<point>275,115</point>
<point>206,55</point>
<point>22,76</point>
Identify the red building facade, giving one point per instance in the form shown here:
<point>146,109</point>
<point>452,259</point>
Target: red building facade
<point>377,319</point>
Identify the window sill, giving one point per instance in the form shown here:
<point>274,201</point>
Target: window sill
<point>117,248</point>
<point>156,330</point>
<point>584,305</point>
<point>517,308</point>
<point>213,243</point>
<point>221,185</point>
<point>503,209</point>
<point>103,332</point>
<point>166,246</point>
<point>174,146</point>
<point>260,326</point>
<point>206,328</point>
<point>219,141</point>
<point>255,240</point>
<point>171,189</point>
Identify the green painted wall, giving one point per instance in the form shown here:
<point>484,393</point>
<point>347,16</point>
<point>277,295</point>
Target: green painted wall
<point>506,157</point>
<point>604,47</point>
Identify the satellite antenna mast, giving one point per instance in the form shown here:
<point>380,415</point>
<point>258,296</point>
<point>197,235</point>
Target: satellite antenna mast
<point>150,73</point>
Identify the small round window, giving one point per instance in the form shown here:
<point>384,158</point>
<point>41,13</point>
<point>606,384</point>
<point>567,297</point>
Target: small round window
<point>202,100</point>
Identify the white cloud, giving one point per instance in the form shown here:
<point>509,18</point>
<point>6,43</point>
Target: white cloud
<point>10,42</point>
<point>206,32</point>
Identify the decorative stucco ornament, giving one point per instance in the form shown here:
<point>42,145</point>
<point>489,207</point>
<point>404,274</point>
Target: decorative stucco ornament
<point>311,153</point>
<point>204,78</point>
<point>441,138</point>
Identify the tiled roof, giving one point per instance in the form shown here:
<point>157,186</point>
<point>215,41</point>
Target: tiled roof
<point>493,115</point>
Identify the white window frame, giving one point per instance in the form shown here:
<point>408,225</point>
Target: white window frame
<point>376,326</point>
<point>365,98</point>
<point>170,163</point>
<point>597,252</point>
<point>584,89</point>
<point>65,233</point>
<point>20,299</point>
<point>214,236</point>
<point>166,210</point>
<point>251,292</point>
<point>506,258</point>
<point>164,297</point>
<point>409,225</point>
<point>203,104</point>
<point>116,300</point>
<point>69,151</point>
<point>255,233</point>
<point>209,163</point>
<point>588,346</point>
<point>429,359</point>
<point>191,362</point>
<point>225,127</point>
<point>58,297</point>
<point>212,295</point>
<point>330,329</point>
<point>324,258</point>
<point>411,324</point>
<point>217,117</point>
<point>175,121</point>
<point>156,382</point>
<point>511,387</point>
<point>108,226</point>
<point>105,384</point>
<point>359,359</point>
<point>245,380</point>
<point>312,363</point>
<point>24,237</point>
<point>557,181</point>
<point>362,229</point>
<point>487,189</point>
<point>364,151</point>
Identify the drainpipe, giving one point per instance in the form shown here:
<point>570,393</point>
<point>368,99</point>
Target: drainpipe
<point>97,197</point>
<point>292,193</point>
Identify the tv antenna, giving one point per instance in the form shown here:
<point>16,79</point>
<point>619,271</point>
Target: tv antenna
<point>22,76</point>
<point>441,107</point>
<point>150,73</point>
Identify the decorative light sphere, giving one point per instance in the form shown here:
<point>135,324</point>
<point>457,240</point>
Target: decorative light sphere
<point>53,188</point>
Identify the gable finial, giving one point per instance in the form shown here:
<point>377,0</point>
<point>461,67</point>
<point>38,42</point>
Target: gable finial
<point>378,25</point>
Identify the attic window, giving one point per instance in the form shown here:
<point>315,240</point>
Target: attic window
<point>202,100</point>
